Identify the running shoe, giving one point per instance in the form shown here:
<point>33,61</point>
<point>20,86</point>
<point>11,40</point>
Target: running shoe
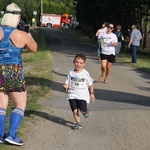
<point>86,114</point>
<point>14,140</point>
<point>77,126</point>
<point>2,139</point>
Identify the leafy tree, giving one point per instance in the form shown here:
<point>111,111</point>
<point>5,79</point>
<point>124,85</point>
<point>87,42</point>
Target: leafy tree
<point>49,6</point>
<point>125,12</point>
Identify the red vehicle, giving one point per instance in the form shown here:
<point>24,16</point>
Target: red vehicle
<point>66,20</point>
<point>51,20</point>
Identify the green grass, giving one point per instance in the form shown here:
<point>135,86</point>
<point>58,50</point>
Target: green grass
<point>143,61</point>
<point>78,34</point>
<point>38,79</point>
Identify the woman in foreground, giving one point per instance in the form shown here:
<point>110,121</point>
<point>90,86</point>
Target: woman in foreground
<point>12,82</point>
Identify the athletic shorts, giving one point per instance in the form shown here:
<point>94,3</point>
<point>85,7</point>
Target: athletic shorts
<point>110,58</point>
<point>12,78</point>
<point>78,104</point>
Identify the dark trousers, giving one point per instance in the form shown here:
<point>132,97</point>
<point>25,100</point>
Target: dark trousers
<point>134,52</point>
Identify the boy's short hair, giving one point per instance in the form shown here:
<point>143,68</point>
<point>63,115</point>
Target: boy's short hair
<point>80,55</point>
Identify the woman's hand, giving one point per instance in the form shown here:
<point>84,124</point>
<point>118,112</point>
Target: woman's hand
<point>113,43</point>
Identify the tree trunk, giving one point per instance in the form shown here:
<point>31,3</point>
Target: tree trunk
<point>147,43</point>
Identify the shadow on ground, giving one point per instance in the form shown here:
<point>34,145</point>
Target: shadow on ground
<point>101,94</point>
<point>123,97</point>
<point>49,117</point>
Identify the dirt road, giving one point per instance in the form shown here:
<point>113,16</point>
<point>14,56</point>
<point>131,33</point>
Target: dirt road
<point>119,119</point>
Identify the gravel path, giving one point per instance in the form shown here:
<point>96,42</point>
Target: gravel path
<point>119,119</point>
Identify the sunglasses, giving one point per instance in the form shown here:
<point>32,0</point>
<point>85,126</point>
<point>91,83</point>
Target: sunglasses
<point>14,12</point>
<point>110,27</point>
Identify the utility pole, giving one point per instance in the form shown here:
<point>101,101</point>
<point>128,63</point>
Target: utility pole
<point>41,11</point>
<point>41,7</point>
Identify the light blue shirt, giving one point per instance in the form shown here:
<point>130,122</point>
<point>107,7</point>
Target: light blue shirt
<point>136,36</point>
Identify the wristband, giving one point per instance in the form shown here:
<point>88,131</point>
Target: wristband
<point>91,92</point>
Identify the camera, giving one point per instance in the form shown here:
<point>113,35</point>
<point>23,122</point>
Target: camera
<point>23,26</point>
<point>27,28</point>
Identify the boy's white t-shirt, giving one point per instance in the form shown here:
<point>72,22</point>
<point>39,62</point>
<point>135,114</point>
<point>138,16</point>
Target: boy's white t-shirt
<point>107,47</point>
<point>79,85</point>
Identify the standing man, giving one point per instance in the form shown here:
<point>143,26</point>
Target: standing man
<point>33,22</point>
<point>134,42</point>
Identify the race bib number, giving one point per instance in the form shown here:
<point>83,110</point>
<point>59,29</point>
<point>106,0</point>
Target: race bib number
<point>78,83</point>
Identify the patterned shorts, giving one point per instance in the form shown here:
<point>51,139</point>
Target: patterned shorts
<point>12,78</point>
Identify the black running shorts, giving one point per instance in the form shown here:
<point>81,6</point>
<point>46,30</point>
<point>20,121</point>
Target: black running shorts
<point>110,58</point>
<point>78,104</point>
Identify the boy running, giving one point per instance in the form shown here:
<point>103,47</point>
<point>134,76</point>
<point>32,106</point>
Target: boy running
<point>79,86</point>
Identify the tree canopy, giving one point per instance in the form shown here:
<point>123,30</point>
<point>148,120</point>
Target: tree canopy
<point>124,12</point>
